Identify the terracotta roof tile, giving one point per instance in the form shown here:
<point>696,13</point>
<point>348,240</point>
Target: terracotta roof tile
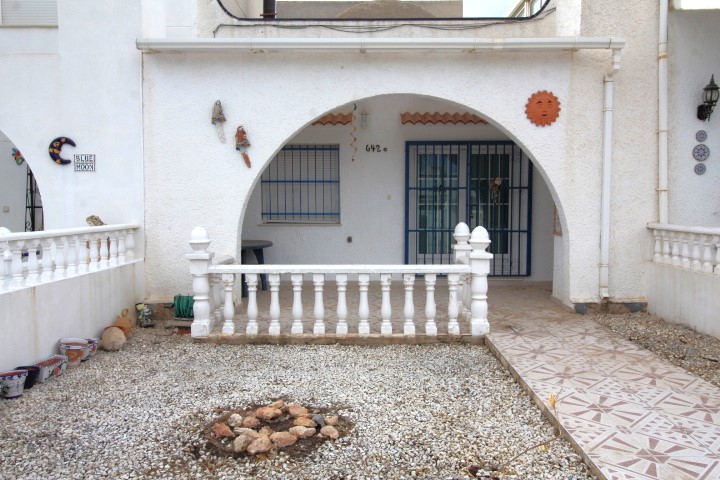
<point>444,118</point>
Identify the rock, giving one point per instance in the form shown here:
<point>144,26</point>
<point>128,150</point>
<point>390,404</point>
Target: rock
<point>241,443</point>
<point>332,420</point>
<point>247,432</point>
<point>283,439</point>
<point>266,431</point>
<point>302,432</point>
<point>330,432</point>
<point>267,413</point>
<point>279,404</point>
<point>250,422</point>
<point>304,422</point>
<point>113,339</point>
<point>296,410</point>
<point>259,445</point>
<point>235,420</point>
<point>222,430</point>
<point>319,420</point>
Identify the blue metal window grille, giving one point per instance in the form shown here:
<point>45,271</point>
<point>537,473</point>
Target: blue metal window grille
<point>302,185</point>
<point>480,183</point>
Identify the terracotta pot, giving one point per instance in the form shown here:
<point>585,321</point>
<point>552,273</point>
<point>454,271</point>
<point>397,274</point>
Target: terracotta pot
<point>76,349</point>
<point>51,367</point>
<point>93,346</point>
<point>32,376</point>
<point>11,383</point>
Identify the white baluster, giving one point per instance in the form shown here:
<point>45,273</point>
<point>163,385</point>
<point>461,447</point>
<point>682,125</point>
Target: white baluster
<point>462,251</point>
<point>364,308</point>
<point>430,326</point>
<point>84,254</point>
<point>5,266</point>
<point>274,280</point>
<point>217,291</point>
<point>685,253</point>
<point>676,250</point>
<point>297,308</point>
<point>113,260</point>
<point>130,246</point>
<point>46,274</point>
<point>453,326</point>
<point>60,257</point>
<point>228,280</point>
<point>385,309</point>
<point>319,326</point>
<point>409,310</point>
<point>33,276</point>
<point>716,246</point>
<point>104,252</point>
<point>707,266</point>
<point>72,256</point>
<point>342,326</point>
<point>93,265</point>
<point>16,249</point>
<point>657,257</point>
<point>200,261</point>
<point>252,309</point>
<point>480,267</point>
<point>696,265</point>
<point>121,247</point>
<point>667,260</point>
<point>467,297</point>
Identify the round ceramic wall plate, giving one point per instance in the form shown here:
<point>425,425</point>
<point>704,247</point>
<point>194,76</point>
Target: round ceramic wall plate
<point>701,136</point>
<point>701,152</point>
<point>700,168</point>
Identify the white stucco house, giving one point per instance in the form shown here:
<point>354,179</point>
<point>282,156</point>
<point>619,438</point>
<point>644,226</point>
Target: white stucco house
<point>370,139</point>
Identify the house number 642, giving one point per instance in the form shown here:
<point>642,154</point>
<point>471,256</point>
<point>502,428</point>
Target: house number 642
<point>375,148</point>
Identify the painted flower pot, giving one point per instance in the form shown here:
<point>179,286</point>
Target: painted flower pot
<point>32,376</point>
<point>93,346</point>
<point>12,382</point>
<point>51,367</point>
<point>76,350</point>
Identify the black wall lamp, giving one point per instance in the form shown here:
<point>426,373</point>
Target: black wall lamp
<point>710,96</point>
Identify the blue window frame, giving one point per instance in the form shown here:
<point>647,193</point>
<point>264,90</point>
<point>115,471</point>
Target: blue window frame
<point>302,185</point>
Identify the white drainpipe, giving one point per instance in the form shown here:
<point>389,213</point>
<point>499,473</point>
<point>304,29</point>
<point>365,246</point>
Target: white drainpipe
<point>606,180</point>
<point>663,115</point>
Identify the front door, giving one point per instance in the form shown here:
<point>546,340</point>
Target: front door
<point>479,183</point>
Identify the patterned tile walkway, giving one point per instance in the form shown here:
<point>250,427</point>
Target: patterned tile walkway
<point>633,415</point>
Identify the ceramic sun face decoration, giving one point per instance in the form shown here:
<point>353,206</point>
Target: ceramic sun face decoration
<point>543,108</point>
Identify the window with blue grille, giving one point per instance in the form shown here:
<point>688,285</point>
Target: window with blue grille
<point>302,185</point>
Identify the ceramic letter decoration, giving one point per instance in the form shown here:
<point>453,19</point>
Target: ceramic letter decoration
<point>543,108</point>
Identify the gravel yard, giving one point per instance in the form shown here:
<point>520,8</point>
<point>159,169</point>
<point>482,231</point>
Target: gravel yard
<point>697,353</point>
<point>417,411</point>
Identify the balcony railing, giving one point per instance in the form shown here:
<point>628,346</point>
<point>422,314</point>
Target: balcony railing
<point>34,258</point>
<point>692,248</point>
<point>214,286</point>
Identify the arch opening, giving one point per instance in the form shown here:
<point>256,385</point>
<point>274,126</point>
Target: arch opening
<point>21,207</point>
<point>376,145</point>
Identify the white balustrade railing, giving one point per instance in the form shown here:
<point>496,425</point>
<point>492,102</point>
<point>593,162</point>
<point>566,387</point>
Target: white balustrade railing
<point>466,283</point>
<point>33,258</point>
<point>692,248</point>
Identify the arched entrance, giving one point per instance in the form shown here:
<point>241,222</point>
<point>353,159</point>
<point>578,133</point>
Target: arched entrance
<point>385,179</point>
<point>20,201</point>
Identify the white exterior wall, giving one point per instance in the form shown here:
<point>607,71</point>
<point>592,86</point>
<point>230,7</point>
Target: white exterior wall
<point>83,80</point>
<point>12,188</point>
<point>372,190</point>
<point>693,200</point>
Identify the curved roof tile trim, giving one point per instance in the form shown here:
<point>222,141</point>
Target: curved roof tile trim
<point>334,119</point>
<point>444,118</point>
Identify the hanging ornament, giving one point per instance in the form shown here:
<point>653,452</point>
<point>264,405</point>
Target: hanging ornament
<point>352,132</point>
<point>55,148</point>
<point>242,143</point>
<point>217,119</point>
<point>19,159</point>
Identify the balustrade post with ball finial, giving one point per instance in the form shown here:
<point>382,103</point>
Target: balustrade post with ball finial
<point>200,261</point>
<point>479,268</point>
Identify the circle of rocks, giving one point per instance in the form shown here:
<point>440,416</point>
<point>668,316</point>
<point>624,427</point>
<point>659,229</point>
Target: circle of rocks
<point>262,430</point>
